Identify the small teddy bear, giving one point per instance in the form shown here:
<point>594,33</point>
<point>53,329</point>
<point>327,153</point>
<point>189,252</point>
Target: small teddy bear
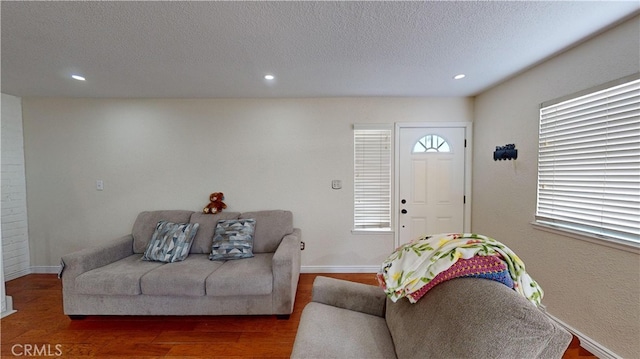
<point>216,204</point>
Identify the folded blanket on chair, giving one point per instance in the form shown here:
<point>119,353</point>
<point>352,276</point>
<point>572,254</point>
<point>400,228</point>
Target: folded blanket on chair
<point>488,267</point>
<point>410,270</point>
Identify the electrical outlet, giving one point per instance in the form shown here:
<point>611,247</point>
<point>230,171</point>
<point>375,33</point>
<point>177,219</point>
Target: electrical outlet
<point>336,184</point>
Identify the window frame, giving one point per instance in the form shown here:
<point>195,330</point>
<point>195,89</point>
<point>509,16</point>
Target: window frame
<point>544,220</point>
<point>430,138</point>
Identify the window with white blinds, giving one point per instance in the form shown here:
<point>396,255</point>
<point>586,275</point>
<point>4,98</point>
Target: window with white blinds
<point>372,177</point>
<point>589,163</point>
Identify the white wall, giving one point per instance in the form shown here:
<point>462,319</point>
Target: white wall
<point>170,154</point>
<point>593,288</point>
<point>15,238</point>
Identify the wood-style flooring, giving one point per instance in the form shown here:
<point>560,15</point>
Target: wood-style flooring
<point>39,329</point>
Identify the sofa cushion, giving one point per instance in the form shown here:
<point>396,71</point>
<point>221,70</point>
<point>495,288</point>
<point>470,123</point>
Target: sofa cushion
<point>118,278</point>
<point>271,226</point>
<point>249,276</point>
<point>180,278</point>
<point>203,240</point>
<point>326,331</point>
<point>469,318</point>
<point>170,242</point>
<point>146,222</point>
<point>233,239</point>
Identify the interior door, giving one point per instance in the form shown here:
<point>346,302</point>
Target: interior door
<point>431,181</point>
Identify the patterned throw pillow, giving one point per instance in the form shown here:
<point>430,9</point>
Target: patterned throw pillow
<point>170,242</point>
<point>233,239</point>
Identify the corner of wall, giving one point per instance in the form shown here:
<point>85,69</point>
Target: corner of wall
<point>15,238</point>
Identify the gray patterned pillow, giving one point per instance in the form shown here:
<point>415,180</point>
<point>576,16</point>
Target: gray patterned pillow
<point>170,242</point>
<point>233,239</point>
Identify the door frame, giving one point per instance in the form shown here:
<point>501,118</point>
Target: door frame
<point>468,127</point>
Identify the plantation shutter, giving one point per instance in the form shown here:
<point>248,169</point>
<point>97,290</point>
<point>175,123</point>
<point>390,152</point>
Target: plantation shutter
<point>589,163</point>
<point>372,177</point>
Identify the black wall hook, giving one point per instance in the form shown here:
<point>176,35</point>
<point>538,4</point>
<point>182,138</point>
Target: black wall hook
<point>506,152</point>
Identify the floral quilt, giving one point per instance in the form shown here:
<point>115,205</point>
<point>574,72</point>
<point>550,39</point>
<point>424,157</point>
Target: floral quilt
<point>415,264</point>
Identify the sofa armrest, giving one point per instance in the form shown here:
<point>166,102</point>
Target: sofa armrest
<point>340,293</point>
<point>84,260</point>
<point>286,272</point>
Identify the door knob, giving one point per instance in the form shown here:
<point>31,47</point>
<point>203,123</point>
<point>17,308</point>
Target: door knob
<point>404,211</point>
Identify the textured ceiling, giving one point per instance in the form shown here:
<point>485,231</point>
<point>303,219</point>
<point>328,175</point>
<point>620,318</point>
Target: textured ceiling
<point>315,49</point>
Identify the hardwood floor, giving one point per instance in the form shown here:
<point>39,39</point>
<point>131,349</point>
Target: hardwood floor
<point>40,329</point>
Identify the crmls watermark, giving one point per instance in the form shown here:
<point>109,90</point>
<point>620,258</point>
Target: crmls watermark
<point>37,350</point>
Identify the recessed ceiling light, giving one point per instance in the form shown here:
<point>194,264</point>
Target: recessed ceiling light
<point>78,77</point>
<point>459,76</point>
<point>269,77</point>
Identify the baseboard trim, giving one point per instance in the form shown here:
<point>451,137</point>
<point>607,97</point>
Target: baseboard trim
<point>339,269</point>
<point>45,269</point>
<point>17,274</point>
<point>32,270</point>
<point>9,307</point>
<point>587,343</point>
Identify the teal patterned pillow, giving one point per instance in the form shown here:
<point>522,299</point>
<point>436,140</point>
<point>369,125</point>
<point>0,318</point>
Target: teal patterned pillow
<point>233,239</point>
<point>171,242</point>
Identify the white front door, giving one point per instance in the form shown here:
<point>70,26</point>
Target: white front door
<point>431,181</point>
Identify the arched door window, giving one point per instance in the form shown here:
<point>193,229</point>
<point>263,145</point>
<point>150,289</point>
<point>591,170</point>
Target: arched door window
<point>431,143</point>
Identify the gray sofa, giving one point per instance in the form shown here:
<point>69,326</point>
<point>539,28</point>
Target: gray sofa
<point>112,279</point>
<point>459,318</point>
